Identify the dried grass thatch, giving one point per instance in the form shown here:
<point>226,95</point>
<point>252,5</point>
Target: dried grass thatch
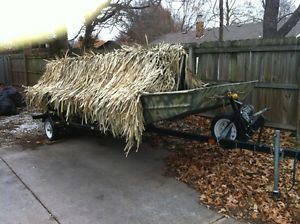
<point>106,88</point>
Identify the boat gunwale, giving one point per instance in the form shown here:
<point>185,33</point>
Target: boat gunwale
<point>197,89</point>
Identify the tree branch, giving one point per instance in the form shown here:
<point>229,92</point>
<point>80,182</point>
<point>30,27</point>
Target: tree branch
<point>283,17</point>
<point>292,21</point>
<point>82,27</point>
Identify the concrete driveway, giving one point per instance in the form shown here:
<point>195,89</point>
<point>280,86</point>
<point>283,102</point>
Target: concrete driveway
<point>89,180</point>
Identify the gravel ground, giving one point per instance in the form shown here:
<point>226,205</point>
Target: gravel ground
<point>21,129</point>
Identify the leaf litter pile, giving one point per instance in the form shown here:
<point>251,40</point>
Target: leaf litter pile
<point>235,182</point>
<point>106,88</point>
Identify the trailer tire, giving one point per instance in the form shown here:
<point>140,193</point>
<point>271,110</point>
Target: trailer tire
<point>220,122</point>
<point>51,131</point>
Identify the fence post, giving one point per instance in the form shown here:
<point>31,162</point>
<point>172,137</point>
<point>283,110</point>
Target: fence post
<point>298,119</point>
<point>6,70</point>
<point>192,59</point>
<point>25,69</point>
<point>298,100</point>
<point>9,70</point>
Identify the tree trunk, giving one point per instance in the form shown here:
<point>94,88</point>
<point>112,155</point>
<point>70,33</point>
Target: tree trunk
<point>221,28</point>
<point>270,19</point>
<point>228,11</point>
<point>88,39</point>
<point>60,42</point>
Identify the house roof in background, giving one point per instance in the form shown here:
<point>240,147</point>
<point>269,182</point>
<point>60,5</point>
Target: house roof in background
<point>234,32</point>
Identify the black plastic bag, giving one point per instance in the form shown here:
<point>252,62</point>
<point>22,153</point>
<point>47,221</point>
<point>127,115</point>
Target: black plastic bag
<point>10,99</point>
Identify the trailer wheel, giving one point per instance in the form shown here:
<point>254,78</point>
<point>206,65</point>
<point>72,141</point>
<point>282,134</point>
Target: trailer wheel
<point>224,126</point>
<point>51,131</point>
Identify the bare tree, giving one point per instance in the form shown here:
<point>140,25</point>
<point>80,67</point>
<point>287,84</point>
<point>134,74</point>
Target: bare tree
<point>252,13</point>
<point>116,14</point>
<point>59,42</point>
<point>148,24</point>
<point>185,12</point>
<point>229,11</point>
<point>272,16</point>
<point>286,8</point>
<point>221,26</point>
<point>234,12</point>
<point>237,13</point>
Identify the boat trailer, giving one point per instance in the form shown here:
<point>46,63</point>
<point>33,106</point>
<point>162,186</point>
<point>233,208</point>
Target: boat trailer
<point>231,130</point>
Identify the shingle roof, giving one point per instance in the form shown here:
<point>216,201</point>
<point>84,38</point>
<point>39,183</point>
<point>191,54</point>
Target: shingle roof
<point>234,32</point>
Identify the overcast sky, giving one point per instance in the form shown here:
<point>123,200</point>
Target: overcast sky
<point>109,34</point>
<point>28,19</point>
<point>22,21</point>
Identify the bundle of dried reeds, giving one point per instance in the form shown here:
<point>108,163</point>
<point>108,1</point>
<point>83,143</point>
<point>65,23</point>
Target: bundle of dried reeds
<point>106,88</point>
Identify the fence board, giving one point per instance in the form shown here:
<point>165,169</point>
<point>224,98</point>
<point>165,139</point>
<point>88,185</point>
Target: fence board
<point>35,68</point>
<point>4,75</point>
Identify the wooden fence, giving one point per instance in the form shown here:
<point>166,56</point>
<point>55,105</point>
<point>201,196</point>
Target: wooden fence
<point>21,69</point>
<point>275,63</point>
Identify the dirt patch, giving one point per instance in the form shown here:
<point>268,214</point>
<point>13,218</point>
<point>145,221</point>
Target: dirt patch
<point>236,182</point>
<point>22,130</point>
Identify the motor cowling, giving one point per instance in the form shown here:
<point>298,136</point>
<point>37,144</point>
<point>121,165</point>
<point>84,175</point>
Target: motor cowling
<point>247,112</point>
<point>252,121</point>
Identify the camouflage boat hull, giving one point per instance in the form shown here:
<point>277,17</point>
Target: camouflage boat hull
<point>168,105</point>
